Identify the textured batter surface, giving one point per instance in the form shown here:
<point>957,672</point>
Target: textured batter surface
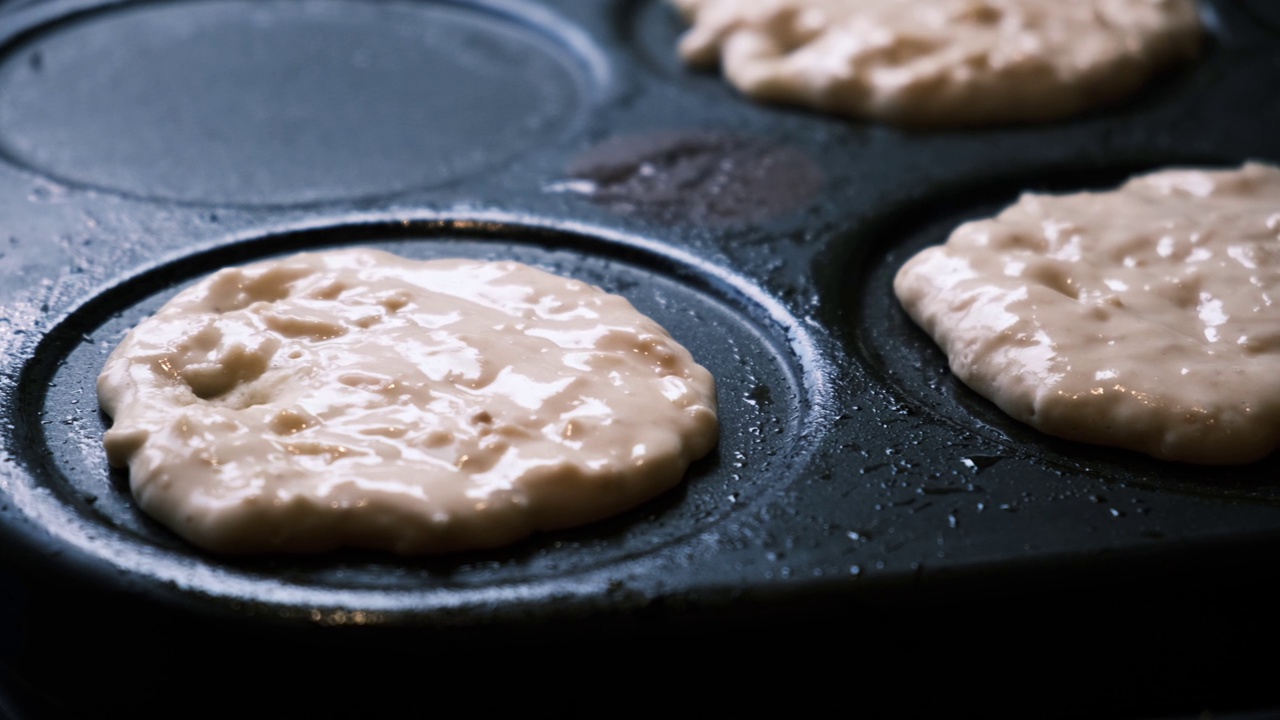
<point>940,62</point>
<point>1146,318</point>
<point>356,398</point>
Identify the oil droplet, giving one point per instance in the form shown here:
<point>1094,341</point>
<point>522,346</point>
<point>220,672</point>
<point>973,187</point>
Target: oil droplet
<point>760,395</point>
<point>978,463</point>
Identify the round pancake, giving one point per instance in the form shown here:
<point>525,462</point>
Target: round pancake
<point>941,62</point>
<point>356,398</point>
<point>1146,318</point>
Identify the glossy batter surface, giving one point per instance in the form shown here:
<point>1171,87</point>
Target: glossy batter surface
<point>940,62</point>
<point>1146,318</point>
<point>356,398</point>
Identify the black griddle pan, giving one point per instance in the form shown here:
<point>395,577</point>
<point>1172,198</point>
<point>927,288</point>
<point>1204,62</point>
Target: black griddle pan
<point>869,533</point>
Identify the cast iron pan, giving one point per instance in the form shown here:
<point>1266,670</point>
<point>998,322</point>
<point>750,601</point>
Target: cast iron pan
<point>865,518</point>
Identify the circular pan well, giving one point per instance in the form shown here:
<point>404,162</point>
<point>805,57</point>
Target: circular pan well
<point>276,102</point>
<point>71,497</point>
<point>905,358</point>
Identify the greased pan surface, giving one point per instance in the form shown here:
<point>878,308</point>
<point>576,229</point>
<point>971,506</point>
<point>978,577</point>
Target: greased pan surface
<point>860,497</point>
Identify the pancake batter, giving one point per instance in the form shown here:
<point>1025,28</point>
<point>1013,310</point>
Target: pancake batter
<point>1145,318</point>
<point>356,398</point>
<point>940,62</point>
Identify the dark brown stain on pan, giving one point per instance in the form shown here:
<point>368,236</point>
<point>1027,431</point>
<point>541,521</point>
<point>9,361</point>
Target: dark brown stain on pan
<point>698,176</point>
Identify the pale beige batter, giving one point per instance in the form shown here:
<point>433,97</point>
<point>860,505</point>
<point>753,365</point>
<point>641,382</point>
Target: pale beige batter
<point>356,398</point>
<point>940,62</point>
<point>1146,318</point>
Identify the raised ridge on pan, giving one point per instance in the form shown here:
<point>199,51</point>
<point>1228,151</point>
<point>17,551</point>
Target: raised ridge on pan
<point>237,102</point>
<point>78,506</point>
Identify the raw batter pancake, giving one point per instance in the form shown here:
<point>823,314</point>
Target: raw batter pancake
<point>940,62</point>
<point>1146,318</point>
<point>356,398</point>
